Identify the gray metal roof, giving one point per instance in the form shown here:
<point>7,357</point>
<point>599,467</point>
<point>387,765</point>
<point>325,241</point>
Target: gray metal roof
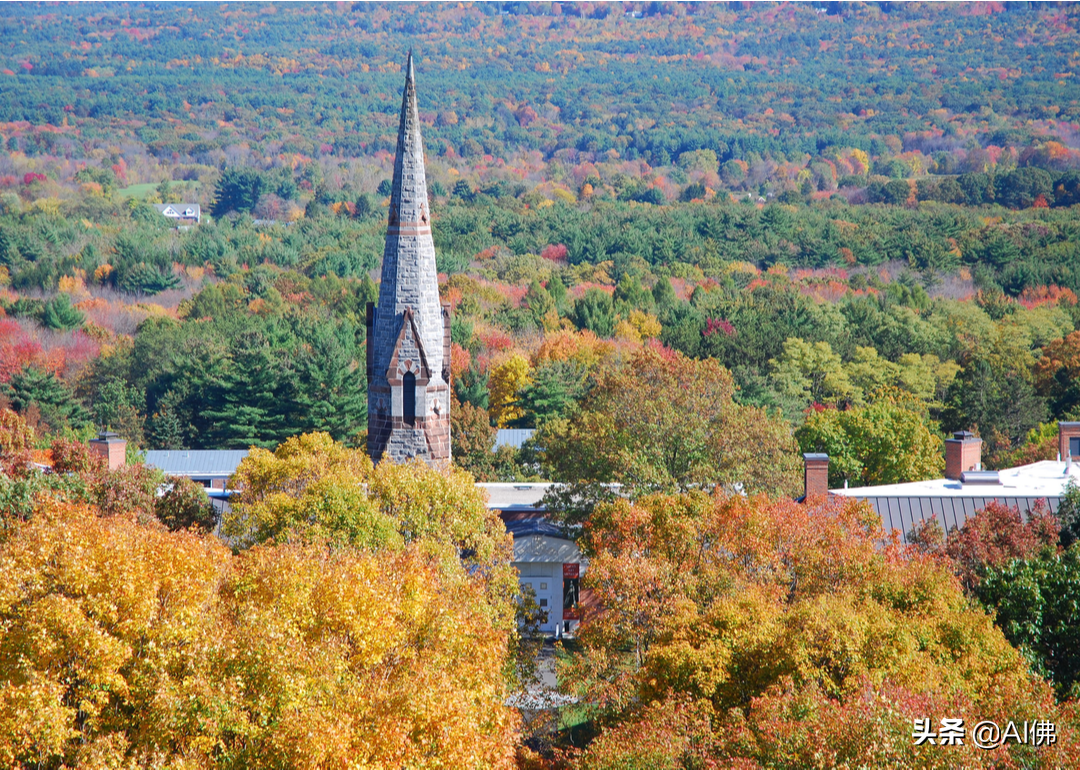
<point>952,501</point>
<point>196,463</point>
<point>536,525</point>
<point>545,548</point>
<point>514,437</point>
<point>903,513</point>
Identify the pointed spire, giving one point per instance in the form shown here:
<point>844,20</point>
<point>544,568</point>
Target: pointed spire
<point>409,331</point>
<point>408,201</point>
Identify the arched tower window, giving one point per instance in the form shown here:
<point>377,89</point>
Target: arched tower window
<point>408,399</point>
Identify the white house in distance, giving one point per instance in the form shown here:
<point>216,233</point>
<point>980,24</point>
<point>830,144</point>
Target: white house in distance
<point>181,213</point>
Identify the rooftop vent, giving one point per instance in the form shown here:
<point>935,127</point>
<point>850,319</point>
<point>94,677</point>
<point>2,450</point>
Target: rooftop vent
<point>979,477</point>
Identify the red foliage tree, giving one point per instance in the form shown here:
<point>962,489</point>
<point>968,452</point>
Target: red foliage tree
<point>997,534</point>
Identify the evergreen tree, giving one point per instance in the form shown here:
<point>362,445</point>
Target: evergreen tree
<point>165,429</point>
<point>331,393</point>
<point>115,406</point>
<point>238,189</point>
<point>1034,602</point>
<point>57,404</point>
<point>463,191</point>
<point>471,387</point>
<point>59,314</point>
<point>664,295</point>
<point>142,278</point>
<point>595,312</point>
<point>539,303</point>
<point>631,295</point>
<point>557,289</point>
<point>251,401</point>
<point>553,393</point>
<point>364,206</point>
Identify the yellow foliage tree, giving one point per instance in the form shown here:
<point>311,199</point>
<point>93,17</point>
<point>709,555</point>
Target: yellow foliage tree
<point>639,326</point>
<point>505,381</point>
<point>125,645</point>
<point>562,195</point>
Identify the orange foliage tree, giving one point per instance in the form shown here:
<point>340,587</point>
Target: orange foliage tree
<point>1057,373</point>
<point>756,632</point>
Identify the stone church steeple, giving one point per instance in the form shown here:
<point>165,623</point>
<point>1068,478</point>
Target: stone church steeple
<point>408,334</point>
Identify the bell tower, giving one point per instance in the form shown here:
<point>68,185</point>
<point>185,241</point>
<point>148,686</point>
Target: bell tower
<point>408,334</point>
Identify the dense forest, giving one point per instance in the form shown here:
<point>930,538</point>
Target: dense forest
<point>839,211</point>
<point>839,205</point>
<point>838,227</point>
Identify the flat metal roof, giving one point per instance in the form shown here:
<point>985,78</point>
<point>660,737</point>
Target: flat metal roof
<point>514,437</point>
<point>522,496</point>
<point>1046,478</point>
<point>196,463</point>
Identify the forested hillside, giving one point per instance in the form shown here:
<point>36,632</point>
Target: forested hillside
<point>846,206</point>
<point>683,241</point>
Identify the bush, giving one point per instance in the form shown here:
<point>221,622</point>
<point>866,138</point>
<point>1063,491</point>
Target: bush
<point>184,506</point>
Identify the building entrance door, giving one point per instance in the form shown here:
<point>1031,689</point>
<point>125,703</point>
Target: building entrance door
<point>547,589</point>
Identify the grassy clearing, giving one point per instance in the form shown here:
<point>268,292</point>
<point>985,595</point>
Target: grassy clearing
<point>143,190</point>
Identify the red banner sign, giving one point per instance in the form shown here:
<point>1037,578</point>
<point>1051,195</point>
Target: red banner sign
<point>570,571</point>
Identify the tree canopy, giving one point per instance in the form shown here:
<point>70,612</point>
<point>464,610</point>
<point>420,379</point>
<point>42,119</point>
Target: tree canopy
<point>667,422</point>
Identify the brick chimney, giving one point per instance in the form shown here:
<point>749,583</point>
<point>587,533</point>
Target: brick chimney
<point>963,452</point>
<point>816,475</point>
<point>1069,440</point>
<point>110,447</point>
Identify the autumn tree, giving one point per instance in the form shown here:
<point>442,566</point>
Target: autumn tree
<point>995,536</point>
<point>505,381</point>
<point>667,422</point>
<point>1057,374</point>
<point>471,435</point>
<point>760,632</point>
<point>121,640</point>
<point>889,441</point>
<point>16,441</point>
<point>316,489</point>
<point>473,447</point>
<point>184,505</point>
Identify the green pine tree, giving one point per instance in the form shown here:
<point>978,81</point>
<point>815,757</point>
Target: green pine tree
<point>58,406</point>
<point>60,315</point>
